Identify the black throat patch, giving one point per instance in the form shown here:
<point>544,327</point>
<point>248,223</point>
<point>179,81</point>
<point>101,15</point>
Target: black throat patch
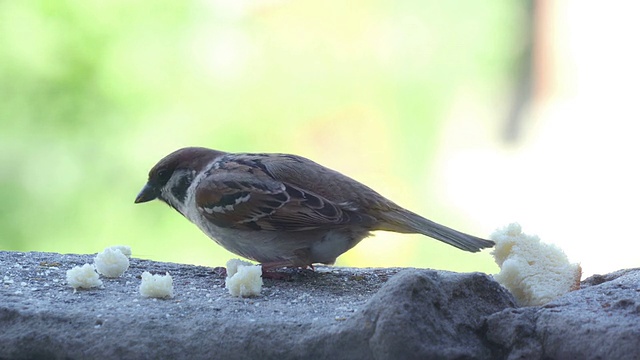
<point>179,191</point>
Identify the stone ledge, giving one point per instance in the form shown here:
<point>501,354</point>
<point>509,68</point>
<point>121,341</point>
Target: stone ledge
<point>331,313</point>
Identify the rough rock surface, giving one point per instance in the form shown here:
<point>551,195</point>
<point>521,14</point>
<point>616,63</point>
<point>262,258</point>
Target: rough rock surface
<point>600,321</point>
<point>333,313</point>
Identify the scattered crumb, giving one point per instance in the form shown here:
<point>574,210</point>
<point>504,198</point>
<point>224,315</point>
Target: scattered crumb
<point>111,262</point>
<point>126,250</point>
<point>243,280</point>
<point>84,277</point>
<point>156,286</point>
<point>534,272</point>
<point>233,264</point>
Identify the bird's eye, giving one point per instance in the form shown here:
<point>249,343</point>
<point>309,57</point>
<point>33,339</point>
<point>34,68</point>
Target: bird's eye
<point>163,174</point>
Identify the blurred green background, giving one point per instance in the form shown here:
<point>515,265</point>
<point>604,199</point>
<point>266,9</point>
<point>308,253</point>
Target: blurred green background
<point>93,93</point>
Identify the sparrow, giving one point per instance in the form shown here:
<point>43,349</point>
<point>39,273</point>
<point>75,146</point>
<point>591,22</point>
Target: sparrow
<point>282,210</point>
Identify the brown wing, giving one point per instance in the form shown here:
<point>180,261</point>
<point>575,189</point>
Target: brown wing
<point>242,194</point>
<point>339,188</point>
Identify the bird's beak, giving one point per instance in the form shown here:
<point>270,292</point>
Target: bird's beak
<point>147,193</point>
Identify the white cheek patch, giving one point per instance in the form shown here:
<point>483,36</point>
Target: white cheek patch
<point>178,191</point>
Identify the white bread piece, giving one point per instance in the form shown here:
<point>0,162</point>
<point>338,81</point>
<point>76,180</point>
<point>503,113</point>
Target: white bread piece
<point>245,281</point>
<point>126,250</point>
<point>534,272</point>
<point>111,262</point>
<point>156,286</point>
<point>84,277</point>
<point>233,264</point>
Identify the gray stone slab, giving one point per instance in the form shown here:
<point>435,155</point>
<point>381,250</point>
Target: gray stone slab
<point>337,313</point>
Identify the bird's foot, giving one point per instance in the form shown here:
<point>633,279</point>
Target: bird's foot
<point>268,270</point>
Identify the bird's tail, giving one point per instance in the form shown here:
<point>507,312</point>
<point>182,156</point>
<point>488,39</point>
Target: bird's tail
<point>405,221</point>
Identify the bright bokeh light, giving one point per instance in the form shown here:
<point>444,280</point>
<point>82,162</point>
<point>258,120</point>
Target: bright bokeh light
<point>573,180</point>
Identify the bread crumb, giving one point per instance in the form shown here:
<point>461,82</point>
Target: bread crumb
<point>156,286</point>
<point>126,250</point>
<point>84,277</point>
<point>111,262</point>
<point>534,272</point>
<point>243,278</point>
<point>233,264</point>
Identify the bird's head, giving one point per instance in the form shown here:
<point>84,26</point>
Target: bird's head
<point>170,179</point>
